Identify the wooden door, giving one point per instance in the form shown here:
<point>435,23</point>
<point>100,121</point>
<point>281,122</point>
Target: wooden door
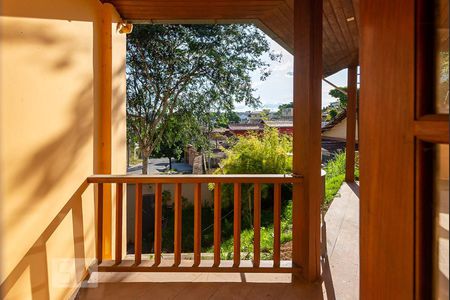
<point>399,121</point>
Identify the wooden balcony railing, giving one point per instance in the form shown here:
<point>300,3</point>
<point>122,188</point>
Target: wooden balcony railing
<point>197,265</point>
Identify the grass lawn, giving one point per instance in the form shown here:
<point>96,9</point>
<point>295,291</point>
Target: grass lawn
<point>335,177</point>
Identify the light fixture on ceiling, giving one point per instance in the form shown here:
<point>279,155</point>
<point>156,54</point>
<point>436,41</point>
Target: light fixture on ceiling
<point>124,27</point>
<point>350,19</point>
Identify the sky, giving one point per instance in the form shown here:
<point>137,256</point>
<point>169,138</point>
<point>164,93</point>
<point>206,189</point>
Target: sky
<point>278,87</point>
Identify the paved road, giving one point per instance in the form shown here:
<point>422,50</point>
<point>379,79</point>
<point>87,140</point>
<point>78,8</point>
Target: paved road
<point>160,165</point>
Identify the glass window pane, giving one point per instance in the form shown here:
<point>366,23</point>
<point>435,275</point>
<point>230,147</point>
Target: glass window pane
<point>441,57</point>
<point>442,221</point>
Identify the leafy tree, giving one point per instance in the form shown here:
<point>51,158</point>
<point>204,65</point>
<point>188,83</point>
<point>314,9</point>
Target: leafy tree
<point>197,69</point>
<point>223,119</point>
<point>340,96</point>
<point>131,142</point>
<point>286,105</point>
<point>266,153</point>
<point>282,107</point>
<point>180,129</point>
<point>265,115</point>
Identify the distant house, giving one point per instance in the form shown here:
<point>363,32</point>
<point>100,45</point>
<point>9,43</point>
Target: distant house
<point>287,113</point>
<point>283,126</point>
<point>257,116</point>
<point>243,116</point>
<point>335,104</point>
<point>334,133</point>
<point>243,129</point>
<point>337,128</point>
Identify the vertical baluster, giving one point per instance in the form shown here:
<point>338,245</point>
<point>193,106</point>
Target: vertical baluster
<point>237,224</point>
<point>217,224</point>
<point>138,225</point>
<point>197,223</point>
<point>119,199</point>
<point>256,224</point>
<point>99,248</point>
<point>177,225</point>
<point>276,224</point>
<point>158,223</point>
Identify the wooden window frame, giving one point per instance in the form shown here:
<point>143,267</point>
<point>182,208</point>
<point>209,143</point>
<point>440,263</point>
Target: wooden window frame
<point>429,129</point>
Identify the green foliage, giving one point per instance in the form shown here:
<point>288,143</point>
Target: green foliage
<point>263,153</point>
<point>334,179</point>
<point>444,75</point>
<point>189,69</point>
<point>180,128</point>
<point>443,87</point>
<point>286,105</point>
<point>223,119</point>
<point>267,235</point>
<point>332,113</point>
<point>266,153</point>
<point>340,96</point>
<point>336,166</point>
<point>281,107</point>
<point>166,197</point>
<point>333,184</point>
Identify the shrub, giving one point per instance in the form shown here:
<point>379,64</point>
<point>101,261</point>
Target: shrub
<point>257,153</point>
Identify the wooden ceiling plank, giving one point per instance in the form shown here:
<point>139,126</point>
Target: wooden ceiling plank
<point>334,25</point>
<point>342,23</point>
<point>352,26</point>
<point>335,48</point>
<point>276,17</point>
<point>330,39</point>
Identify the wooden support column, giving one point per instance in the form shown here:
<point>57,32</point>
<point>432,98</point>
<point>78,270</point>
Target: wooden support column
<point>103,92</point>
<point>351,125</point>
<point>307,136</point>
<point>388,91</point>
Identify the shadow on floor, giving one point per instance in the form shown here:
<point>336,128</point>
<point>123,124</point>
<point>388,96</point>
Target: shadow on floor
<point>203,290</point>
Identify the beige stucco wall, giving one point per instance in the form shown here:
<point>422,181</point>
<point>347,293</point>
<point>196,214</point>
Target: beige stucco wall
<point>339,131</point>
<point>48,82</point>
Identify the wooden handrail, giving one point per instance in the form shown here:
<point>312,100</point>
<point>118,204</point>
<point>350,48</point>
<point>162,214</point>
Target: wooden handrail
<point>167,179</point>
<point>257,180</point>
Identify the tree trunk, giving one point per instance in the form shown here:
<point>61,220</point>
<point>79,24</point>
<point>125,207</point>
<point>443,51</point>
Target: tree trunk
<point>144,164</point>
<point>170,163</point>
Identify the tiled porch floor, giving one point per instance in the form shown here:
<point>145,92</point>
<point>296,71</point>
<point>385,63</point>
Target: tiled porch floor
<point>340,271</point>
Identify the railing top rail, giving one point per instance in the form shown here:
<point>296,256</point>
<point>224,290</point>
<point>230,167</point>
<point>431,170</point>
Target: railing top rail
<point>168,179</point>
